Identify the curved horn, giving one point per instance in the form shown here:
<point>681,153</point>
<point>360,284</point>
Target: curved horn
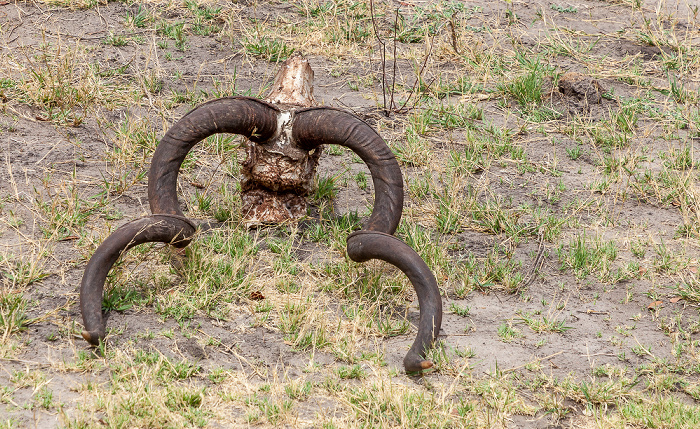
<point>316,126</point>
<point>366,245</point>
<point>249,117</point>
<point>171,229</point>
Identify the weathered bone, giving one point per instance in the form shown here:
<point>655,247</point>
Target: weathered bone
<point>285,144</point>
<point>294,83</point>
<point>277,176</point>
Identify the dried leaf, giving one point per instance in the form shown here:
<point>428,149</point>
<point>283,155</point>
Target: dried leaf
<point>655,304</point>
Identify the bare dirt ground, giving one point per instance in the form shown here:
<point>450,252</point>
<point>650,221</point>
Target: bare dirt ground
<point>548,152</point>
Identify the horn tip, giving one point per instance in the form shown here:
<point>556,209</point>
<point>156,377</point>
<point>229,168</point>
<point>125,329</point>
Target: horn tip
<point>92,337</point>
<point>416,364</point>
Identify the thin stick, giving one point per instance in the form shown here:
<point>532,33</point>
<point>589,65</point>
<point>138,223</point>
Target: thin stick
<point>536,360</point>
<point>383,53</point>
<point>418,79</point>
<point>533,272</point>
<point>454,382</point>
<point>393,74</point>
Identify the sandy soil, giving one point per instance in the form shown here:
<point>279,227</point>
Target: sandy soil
<point>52,165</point>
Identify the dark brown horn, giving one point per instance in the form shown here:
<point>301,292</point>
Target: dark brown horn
<point>316,126</point>
<point>249,117</point>
<point>366,245</point>
<point>175,230</point>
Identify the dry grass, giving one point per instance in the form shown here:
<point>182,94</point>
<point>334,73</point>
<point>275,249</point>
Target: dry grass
<point>564,238</point>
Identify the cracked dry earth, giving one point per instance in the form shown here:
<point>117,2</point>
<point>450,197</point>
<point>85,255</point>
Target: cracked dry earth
<point>562,229</point>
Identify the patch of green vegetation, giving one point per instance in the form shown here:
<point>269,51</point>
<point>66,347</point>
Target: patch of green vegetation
<point>586,256</point>
<point>175,31</point>
<point>563,9</point>
<point>13,309</point>
<point>121,298</point>
<point>214,274</point>
<point>539,323</point>
<point>507,333</point>
<point>138,19</point>
<point>268,48</point>
<point>527,89</point>
<point>116,40</point>
<point>493,272</point>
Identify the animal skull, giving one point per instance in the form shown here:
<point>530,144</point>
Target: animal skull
<point>286,134</point>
